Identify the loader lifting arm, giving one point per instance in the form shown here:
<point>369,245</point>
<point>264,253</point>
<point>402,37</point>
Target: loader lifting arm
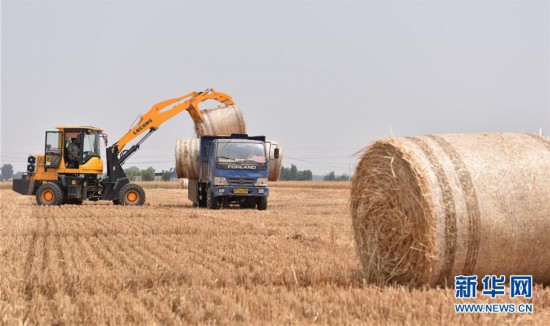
<point>148,123</point>
<point>158,114</point>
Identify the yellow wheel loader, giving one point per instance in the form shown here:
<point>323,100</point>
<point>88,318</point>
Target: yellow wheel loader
<point>71,169</point>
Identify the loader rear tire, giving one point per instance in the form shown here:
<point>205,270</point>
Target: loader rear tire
<point>131,195</point>
<point>49,194</point>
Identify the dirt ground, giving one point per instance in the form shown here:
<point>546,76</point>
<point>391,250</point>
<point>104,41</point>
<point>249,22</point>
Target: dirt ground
<point>170,263</point>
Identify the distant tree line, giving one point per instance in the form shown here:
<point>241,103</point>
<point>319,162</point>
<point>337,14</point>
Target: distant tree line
<point>333,177</point>
<point>7,172</point>
<point>146,174</point>
<point>131,172</point>
<point>293,174</point>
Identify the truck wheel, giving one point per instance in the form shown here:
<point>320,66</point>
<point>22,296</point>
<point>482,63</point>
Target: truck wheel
<point>248,203</point>
<point>201,195</point>
<point>262,203</point>
<point>131,195</point>
<point>202,203</point>
<point>211,201</point>
<point>49,194</point>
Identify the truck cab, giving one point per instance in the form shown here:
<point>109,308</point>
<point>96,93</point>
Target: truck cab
<point>233,170</point>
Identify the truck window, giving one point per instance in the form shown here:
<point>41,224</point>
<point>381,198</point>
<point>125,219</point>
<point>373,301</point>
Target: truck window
<point>241,152</point>
<point>52,151</point>
<point>91,145</point>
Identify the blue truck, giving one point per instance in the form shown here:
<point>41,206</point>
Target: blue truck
<point>233,170</point>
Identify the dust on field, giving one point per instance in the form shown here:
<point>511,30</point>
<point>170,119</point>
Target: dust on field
<point>167,262</point>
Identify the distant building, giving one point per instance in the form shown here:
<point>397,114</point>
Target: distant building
<point>158,176</point>
<point>173,176</point>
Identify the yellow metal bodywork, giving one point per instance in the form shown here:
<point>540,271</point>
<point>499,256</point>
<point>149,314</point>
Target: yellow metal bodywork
<point>155,117</point>
<point>40,173</point>
<point>158,114</point>
<point>78,127</point>
<point>93,166</point>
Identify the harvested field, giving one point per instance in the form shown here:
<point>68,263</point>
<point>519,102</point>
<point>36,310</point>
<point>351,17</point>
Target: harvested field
<point>167,262</point>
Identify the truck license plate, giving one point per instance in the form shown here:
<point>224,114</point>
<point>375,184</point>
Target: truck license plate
<point>240,191</point>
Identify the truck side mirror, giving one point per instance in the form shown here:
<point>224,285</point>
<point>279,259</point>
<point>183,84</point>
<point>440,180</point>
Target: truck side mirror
<point>276,153</point>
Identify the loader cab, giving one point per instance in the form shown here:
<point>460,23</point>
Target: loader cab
<point>73,150</point>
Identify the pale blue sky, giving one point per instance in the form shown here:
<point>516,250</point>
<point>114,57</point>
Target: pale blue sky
<point>323,78</point>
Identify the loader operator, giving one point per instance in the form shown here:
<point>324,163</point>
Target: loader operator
<point>73,153</point>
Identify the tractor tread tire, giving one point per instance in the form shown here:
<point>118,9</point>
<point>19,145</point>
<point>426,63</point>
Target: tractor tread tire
<point>125,199</point>
<point>56,192</point>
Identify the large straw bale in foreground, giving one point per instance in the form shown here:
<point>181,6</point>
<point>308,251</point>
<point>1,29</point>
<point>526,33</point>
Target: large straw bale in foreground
<point>222,120</point>
<point>187,158</point>
<point>426,209</point>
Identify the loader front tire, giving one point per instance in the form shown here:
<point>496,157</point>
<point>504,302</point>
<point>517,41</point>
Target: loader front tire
<point>49,194</point>
<point>131,195</point>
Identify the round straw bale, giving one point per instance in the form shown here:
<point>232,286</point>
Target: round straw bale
<point>222,120</point>
<point>426,209</point>
<point>275,165</point>
<point>184,183</point>
<point>187,157</point>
